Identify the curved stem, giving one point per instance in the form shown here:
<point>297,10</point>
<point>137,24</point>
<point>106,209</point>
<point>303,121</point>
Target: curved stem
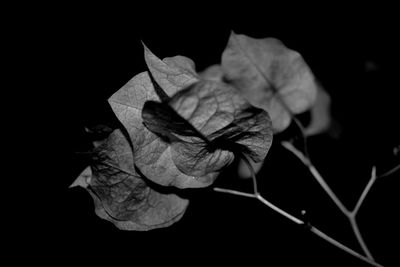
<point>279,210</point>
<point>365,192</point>
<point>298,221</point>
<point>252,173</point>
<point>329,239</point>
<point>303,135</point>
<point>351,215</point>
<point>359,237</point>
<point>328,190</point>
<point>306,161</point>
<point>233,192</point>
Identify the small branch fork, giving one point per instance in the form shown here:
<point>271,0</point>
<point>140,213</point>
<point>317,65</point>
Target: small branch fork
<point>350,214</point>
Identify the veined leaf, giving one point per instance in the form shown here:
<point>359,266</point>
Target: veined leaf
<point>270,76</point>
<point>180,138</point>
<point>122,196</point>
<point>152,155</point>
<point>205,124</point>
<point>172,73</point>
<point>181,131</point>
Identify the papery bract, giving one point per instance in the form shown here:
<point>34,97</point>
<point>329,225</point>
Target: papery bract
<point>120,193</point>
<point>151,154</point>
<point>270,76</point>
<point>205,124</point>
<point>180,161</point>
<point>181,130</point>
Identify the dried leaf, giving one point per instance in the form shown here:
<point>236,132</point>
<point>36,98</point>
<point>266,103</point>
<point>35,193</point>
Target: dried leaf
<point>171,73</point>
<point>270,76</point>
<point>122,196</point>
<point>151,154</point>
<point>180,132</point>
<point>217,105</point>
<point>205,124</point>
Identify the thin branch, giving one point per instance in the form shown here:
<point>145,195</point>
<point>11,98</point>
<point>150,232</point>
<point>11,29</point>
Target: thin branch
<point>359,237</point>
<point>252,173</point>
<point>296,220</point>
<point>306,161</point>
<point>389,172</point>
<point>296,152</point>
<point>234,192</point>
<point>365,192</point>
<point>279,210</point>
<point>350,215</point>
<point>329,239</point>
<point>303,135</point>
<point>354,213</point>
<point>263,200</point>
<point>328,190</point>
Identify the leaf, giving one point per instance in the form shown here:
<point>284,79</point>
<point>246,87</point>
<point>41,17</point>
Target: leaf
<point>171,73</point>
<point>270,76</point>
<point>156,147</point>
<point>122,196</point>
<point>151,154</point>
<point>321,118</point>
<point>205,124</point>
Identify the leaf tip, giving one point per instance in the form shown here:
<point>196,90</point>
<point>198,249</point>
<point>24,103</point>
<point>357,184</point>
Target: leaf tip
<point>146,49</point>
<point>144,45</point>
<point>233,35</point>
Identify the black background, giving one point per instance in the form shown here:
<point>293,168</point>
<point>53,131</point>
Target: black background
<point>88,55</point>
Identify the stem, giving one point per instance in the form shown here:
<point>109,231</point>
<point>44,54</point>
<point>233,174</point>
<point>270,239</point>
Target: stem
<point>350,215</point>
<point>234,192</point>
<point>302,132</point>
<point>389,172</point>
<point>354,213</point>
<point>365,192</point>
<point>329,239</point>
<point>306,161</point>
<point>279,210</point>
<point>252,173</point>
<point>296,220</point>
<point>359,237</point>
<point>328,190</point>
